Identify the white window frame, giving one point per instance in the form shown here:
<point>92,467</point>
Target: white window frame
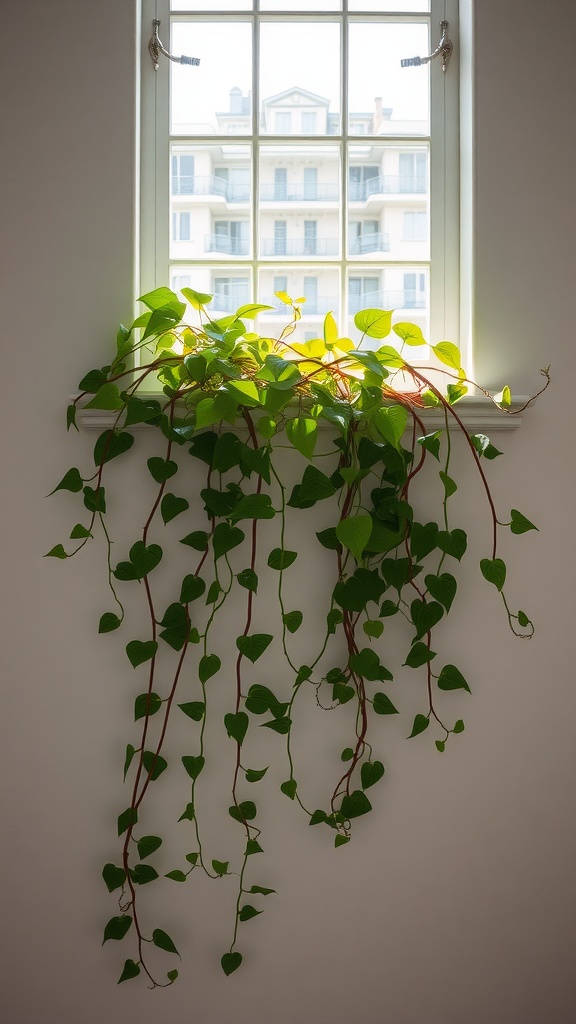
<point>449,305</point>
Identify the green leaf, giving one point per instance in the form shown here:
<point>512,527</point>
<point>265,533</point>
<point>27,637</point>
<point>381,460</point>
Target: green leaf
<point>440,745</point>
<point>194,709</point>
<point>410,334</point>
<point>383,705</point>
<point>451,679</point>
<point>160,297</point>
<point>504,397</point>
<point>197,540</point>
<point>253,506</point>
<point>128,818</point>
<point>279,558</point>
<point>153,764</point>
<point>237,725</point>
<point>114,877</point>
<point>289,788</point>
<point>347,754</point>
<point>425,615</point>
<point>162,469</point>
<point>226,537</point>
<point>370,773</point>
<point>452,543</point>
<point>209,666</point>
<point>279,725</point>
<point>318,817</point>
<point>328,539</point>
<point>450,485</point>
<point>117,928</point>
<point>108,622</point>
<point>420,654</point>
<point>248,579</point>
<point>484,447</point>
<point>341,840</point>
<point>353,532</point>
<point>163,941</point>
<point>421,722</point>
<point>56,552</point>
<point>292,620</point>
<point>139,651</point>
<point>260,700</point>
<point>390,421</point>
<point>494,570</point>
<point>523,619</point>
<point>192,588</point>
<point>144,873</point>
<point>245,811</point>
<point>376,323</point>
<point>423,539</point>
<point>196,299</point>
<point>130,751</point>
<point>71,416</point>
<point>354,804</point>
<point>110,445</point>
<point>177,626</point>
<point>95,499</point>
<point>148,845</point>
<point>146,704</point>
<point>214,592</point>
<point>302,432</point>
<point>261,890</point>
<point>247,912</point>
<point>253,846</point>
<point>107,397</point>
<point>176,876</point>
<point>192,858</point>
<point>193,765</point>
<point>458,726</point>
<point>231,962</point>
<point>252,647</point>
<point>131,970</point>
<point>431,442</point>
<point>71,481</point>
<point>138,411</point>
<point>188,814</point>
<point>253,775</point>
<point>79,532</point>
<point>93,380</point>
<point>366,663</point>
<point>442,588</point>
<point>448,354</point>
<point>172,506</point>
<point>142,561</point>
<point>373,627</point>
<point>519,522</point>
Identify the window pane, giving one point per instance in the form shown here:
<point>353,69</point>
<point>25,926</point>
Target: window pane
<point>318,284</point>
<point>300,5</point>
<point>384,6</point>
<point>404,289</point>
<point>387,189</point>
<point>300,189</point>
<point>310,85</point>
<point>230,287</point>
<point>383,97</point>
<point>211,5</point>
<point>211,187</point>
<point>214,97</point>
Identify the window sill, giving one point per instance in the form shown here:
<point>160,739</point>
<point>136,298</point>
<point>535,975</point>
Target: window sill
<point>475,412</point>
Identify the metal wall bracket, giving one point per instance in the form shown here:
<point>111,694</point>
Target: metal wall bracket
<point>155,48</point>
<point>443,50</point>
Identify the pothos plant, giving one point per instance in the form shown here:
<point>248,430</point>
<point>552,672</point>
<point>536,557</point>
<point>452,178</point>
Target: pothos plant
<point>218,391</point>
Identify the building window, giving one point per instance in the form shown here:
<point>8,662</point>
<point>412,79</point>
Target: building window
<point>318,203</point>
<point>415,226</point>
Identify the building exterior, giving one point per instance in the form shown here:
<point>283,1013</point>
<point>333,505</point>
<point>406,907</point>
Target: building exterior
<point>345,240</point>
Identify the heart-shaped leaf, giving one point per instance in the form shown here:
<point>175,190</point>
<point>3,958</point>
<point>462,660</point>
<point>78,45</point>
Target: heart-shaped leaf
<point>226,537</point>
<point>193,765</point>
<point>148,845</point>
<point>383,705</point>
<point>425,615</point>
<point>252,647</point>
<point>209,666</point>
<point>117,927</point>
<point>139,651</point>
<point>131,970</point>
<point>519,522</point>
<point>451,678</point>
<point>442,588</point>
<point>494,570</point>
<point>172,506</point>
<point>236,725</point>
<point>113,876</point>
<point>231,962</point>
<point>162,469</point>
<point>452,542</point>
<point>370,773</point>
<point>163,941</point>
<point>353,532</point>
<point>354,804</point>
<point>421,722</point>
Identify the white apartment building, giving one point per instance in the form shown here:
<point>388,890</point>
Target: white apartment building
<point>313,229</point>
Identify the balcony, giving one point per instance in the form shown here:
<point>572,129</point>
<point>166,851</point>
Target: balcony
<point>386,184</point>
<point>377,241</point>
<point>299,246</point>
<point>228,303</point>
<point>228,244</point>
<point>282,193</point>
<point>386,300</point>
<point>320,305</point>
<point>193,185</point>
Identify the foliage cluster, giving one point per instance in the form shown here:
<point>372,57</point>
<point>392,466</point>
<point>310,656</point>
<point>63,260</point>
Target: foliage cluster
<point>232,400</point>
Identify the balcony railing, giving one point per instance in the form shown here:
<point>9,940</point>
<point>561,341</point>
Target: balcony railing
<point>193,185</point>
<point>319,305</point>
<point>377,241</point>
<point>299,246</point>
<point>228,244</point>
<point>385,184</point>
<point>281,193</point>
<point>386,300</point>
<point>228,303</point>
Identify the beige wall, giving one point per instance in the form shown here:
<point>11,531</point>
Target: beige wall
<point>453,905</point>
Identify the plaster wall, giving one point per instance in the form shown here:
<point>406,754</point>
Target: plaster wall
<point>455,903</point>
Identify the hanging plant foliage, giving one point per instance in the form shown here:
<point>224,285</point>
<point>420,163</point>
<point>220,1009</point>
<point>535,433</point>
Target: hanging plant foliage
<point>234,401</point>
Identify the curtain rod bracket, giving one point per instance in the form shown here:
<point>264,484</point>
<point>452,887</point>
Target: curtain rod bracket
<point>155,48</point>
<point>443,50</point>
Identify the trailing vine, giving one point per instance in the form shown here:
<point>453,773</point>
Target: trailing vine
<point>235,401</point>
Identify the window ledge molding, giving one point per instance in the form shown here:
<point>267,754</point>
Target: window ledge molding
<point>476,413</point>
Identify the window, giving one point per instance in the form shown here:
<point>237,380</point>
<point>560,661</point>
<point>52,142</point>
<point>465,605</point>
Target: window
<point>415,226</point>
<point>301,151</point>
